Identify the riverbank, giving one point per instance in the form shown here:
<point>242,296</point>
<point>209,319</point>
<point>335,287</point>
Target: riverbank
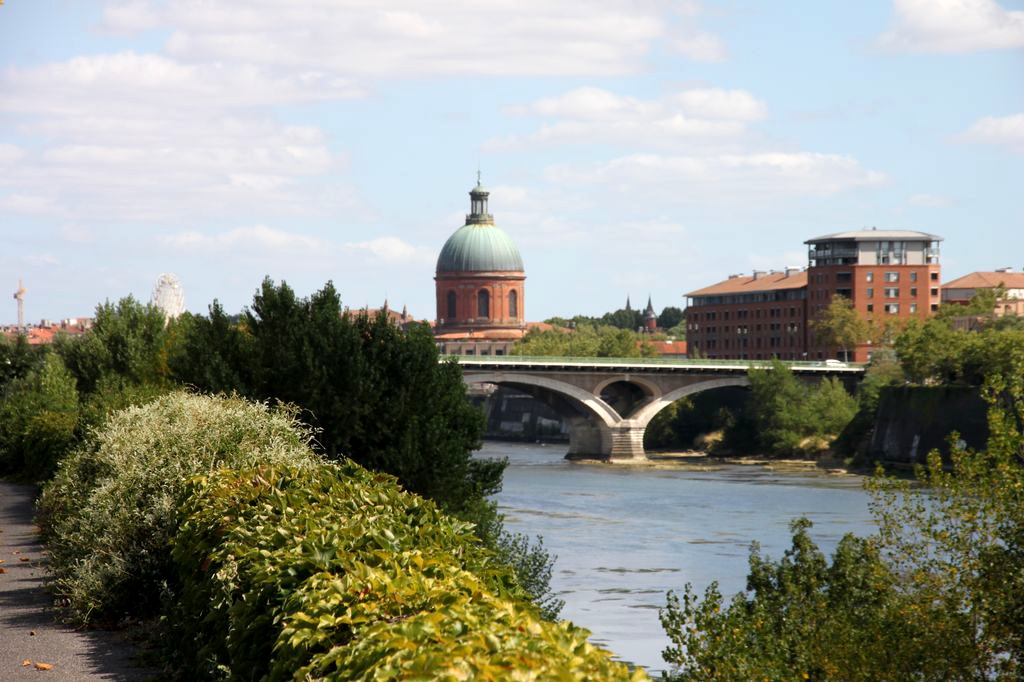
<point>33,641</point>
<point>698,460</point>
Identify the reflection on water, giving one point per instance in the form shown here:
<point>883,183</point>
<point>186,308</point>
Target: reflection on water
<point>624,536</point>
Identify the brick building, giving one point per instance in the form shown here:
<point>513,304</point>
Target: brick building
<point>480,286</point>
<point>886,274</point>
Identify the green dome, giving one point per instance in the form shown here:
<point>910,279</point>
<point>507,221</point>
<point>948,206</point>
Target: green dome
<point>479,248</point>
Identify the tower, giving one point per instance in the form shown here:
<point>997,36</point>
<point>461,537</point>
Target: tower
<point>19,296</point>
<point>650,318</point>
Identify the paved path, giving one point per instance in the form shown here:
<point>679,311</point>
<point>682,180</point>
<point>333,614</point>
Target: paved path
<point>29,629</point>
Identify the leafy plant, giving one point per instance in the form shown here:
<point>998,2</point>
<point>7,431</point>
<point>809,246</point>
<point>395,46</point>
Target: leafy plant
<point>110,511</point>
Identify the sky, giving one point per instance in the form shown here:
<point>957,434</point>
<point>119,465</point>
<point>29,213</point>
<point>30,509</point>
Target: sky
<point>632,147</point>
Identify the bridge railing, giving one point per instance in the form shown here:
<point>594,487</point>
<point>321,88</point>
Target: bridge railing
<point>674,362</point>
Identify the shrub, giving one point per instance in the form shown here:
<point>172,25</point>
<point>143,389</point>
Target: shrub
<point>38,418</point>
<point>110,511</point>
<point>335,573</point>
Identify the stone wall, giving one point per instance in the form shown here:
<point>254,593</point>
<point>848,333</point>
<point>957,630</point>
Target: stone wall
<point>913,420</point>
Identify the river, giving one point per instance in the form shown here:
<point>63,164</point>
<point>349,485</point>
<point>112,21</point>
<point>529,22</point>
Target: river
<point>626,535</point>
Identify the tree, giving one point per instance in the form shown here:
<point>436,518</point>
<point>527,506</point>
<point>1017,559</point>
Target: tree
<point>670,317</point>
<point>38,420</point>
<point>128,339</point>
<point>936,594</point>
<point>839,325</point>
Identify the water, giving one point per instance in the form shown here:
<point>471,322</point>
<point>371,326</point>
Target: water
<point>624,536</point>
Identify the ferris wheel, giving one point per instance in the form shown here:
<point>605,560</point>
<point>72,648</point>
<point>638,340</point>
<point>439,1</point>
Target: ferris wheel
<point>168,295</point>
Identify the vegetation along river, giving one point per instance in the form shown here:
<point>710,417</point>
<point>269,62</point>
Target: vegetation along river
<point>625,535</point>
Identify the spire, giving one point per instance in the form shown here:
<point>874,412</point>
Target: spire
<point>628,307</point>
<point>649,312</point>
<point>478,214</point>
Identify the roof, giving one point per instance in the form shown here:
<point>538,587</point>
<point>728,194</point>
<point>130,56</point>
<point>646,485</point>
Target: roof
<point>479,247</point>
<point>875,235</point>
<point>743,284</point>
<point>669,347</point>
<point>987,280</point>
<point>482,335</point>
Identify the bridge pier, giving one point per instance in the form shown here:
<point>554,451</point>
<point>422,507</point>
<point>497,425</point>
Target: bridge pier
<point>627,440</point>
<point>592,438</point>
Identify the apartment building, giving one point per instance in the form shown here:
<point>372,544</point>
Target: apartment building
<point>887,274</point>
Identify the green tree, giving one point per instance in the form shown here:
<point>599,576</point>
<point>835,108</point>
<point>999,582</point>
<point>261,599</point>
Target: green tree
<point>128,339</point>
<point>670,317</point>
<point>215,352</point>
<point>804,618</point>
<point>38,419</point>
<point>17,357</point>
<point>840,326</point>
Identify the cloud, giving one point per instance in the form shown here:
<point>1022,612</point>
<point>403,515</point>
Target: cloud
<point>591,114</point>
<point>406,39</point>
<point>953,26</point>
<point>701,47</point>
<point>1003,131</point>
<point>684,177</point>
<point>255,238</point>
<point>29,204</point>
<point>930,201</point>
<point>389,250</point>
<point>144,137</point>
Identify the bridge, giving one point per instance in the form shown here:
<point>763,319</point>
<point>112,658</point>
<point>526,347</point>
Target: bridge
<point>608,402</point>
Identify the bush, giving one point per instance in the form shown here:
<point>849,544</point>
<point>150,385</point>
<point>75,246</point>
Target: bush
<point>38,418</point>
<point>110,511</point>
<point>335,573</point>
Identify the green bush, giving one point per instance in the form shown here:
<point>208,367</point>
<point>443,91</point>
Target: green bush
<point>335,573</point>
<point>38,418</point>
<point>110,511</point>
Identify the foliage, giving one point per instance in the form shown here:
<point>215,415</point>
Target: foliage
<point>883,370</point>
<point>962,545</point>
<point>840,326</point>
<point>670,317</point>
<point>585,340</point>
<point>110,510</point>
<point>683,422</point>
<point>805,618</point>
<point>374,392</point>
<point>786,412</point>
<point>130,340</point>
<point>17,357</point>
<point>215,353</point>
<point>333,573</point>
<point>934,351</point>
<point>936,594</point>
<point>39,415</point>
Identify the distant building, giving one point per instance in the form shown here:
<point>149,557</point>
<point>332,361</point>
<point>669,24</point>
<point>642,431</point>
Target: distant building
<point>46,331</point>
<point>650,317</point>
<point>402,320</point>
<point>168,295</point>
<point>886,274</point>
<point>757,316</point>
<point>670,349</point>
<point>480,286</point>
<point>960,291</point>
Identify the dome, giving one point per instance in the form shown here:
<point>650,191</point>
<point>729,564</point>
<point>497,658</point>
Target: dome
<point>479,247</point>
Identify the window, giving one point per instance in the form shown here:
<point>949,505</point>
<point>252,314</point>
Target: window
<point>513,304</point>
<point>935,291</point>
<point>935,307</point>
<point>934,276</point>
<point>913,308</point>
<point>483,303</point>
<point>892,277</point>
<point>913,277</point>
<point>892,292</point>
<point>871,307</point>
<point>892,308</point>
<point>913,292</point>
<point>451,305</point>
<point>871,292</point>
<point>870,277</point>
